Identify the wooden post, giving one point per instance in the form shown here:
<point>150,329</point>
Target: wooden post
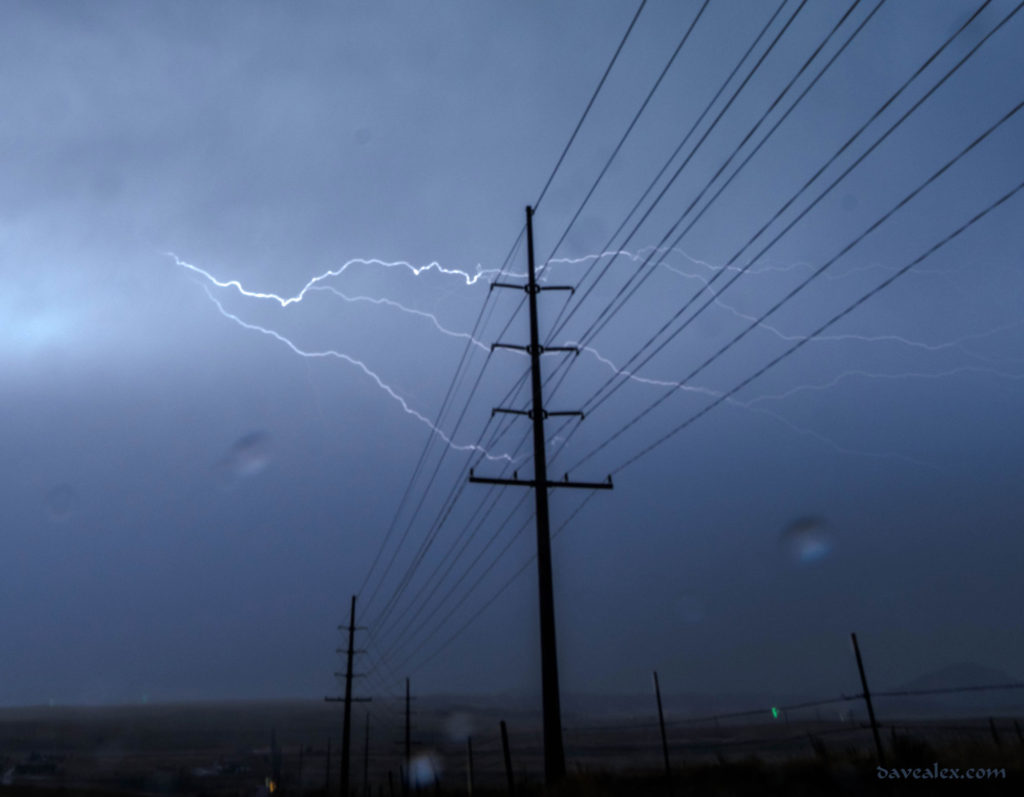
<point>867,700</point>
<point>661,723</point>
<point>508,759</point>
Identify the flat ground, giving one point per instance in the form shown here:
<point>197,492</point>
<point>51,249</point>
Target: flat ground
<point>229,749</point>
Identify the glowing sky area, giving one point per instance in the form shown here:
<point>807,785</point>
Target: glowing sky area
<point>244,248</point>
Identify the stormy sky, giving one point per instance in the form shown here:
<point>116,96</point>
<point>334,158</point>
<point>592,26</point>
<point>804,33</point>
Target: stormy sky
<point>198,473</point>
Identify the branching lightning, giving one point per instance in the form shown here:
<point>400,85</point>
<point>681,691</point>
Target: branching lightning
<point>488,275</point>
<point>365,369</point>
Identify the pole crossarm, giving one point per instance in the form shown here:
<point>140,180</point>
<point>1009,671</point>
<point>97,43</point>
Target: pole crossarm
<point>605,485</point>
<point>534,288</point>
<point>535,347</point>
<point>544,413</point>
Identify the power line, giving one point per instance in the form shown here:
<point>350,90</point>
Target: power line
<point>593,331</point>
<point>430,438</point>
<point>596,328</point>
<point>824,326</point>
<point>591,405</point>
<point>629,129</point>
<point>942,170</point>
<point>590,104</point>
<point>560,322</point>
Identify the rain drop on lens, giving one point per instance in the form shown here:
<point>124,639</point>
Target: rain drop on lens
<point>806,540</point>
<point>247,457</point>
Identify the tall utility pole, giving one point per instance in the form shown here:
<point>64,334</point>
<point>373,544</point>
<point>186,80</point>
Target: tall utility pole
<point>554,752</point>
<point>346,727</point>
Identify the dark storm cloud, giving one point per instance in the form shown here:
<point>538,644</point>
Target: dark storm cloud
<point>270,142</point>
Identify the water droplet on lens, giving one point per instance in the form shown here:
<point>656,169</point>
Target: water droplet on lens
<point>61,501</point>
<point>807,539</point>
<point>249,456</point>
<point>424,769</point>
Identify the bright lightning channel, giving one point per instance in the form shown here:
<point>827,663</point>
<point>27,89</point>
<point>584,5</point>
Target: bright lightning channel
<point>366,370</point>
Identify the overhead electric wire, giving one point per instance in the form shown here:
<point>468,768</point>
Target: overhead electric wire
<point>593,331</point>
<point>629,129</point>
<point>430,438</point>
<point>455,490</point>
<point>590,104</point>
<point>728,103</point>
<point>536,204</point>
<point>789,226</point>
<point>381,634</point>
<point>467,570</point>
<point>559,322</point>
<point>590,403</point>
<point>826,325</point>
<point>484,606</point>
<point>596,328</point>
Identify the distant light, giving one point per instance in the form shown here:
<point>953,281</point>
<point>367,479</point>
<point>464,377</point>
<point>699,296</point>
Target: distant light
<point>775,713</point>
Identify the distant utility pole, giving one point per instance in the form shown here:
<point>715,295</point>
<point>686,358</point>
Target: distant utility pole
<point>346,727</point>
<point>408,743</point>
<point>661,723</point>
<point>366,757</point>
<point>554,751</point>
<point>867,700</point>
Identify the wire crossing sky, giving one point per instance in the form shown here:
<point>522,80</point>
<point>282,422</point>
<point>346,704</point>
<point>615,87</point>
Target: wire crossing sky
<point>246,330</point>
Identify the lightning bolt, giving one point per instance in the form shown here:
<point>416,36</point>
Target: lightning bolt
<point>362,367</point>
<point>470,279</point>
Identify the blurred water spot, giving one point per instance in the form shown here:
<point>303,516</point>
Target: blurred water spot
<point>61,501</point>
<point>807,539</point>
<point>424,769</point>
<point>247,457</point>
<point>688,608</point>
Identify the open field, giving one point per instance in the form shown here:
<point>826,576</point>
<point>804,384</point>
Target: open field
<point>226,749</point>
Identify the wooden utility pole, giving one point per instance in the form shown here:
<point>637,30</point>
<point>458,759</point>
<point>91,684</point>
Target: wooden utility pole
<point>469,766</point>
<point>348,700</point>
<point>408,743</point>
<point>661,723</point>
<point>366,756</point>
<point>554,751</point>
<point>327,769</point>
<point>508,759</point>
<point>867,700</point>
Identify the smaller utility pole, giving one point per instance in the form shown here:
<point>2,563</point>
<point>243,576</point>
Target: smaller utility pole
<point>366,757</point>
<point>327,769</point>
<point>348,700</point>
<point>661,722</point>
<point>469,766</point>
<point>867,700</point>
<point>508,759</point>
<point>408,744</point>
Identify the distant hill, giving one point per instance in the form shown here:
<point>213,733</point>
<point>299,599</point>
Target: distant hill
<point>960,675</point>
<point>966,703</point>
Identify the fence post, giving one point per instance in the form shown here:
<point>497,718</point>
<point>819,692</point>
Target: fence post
<point>867,700</point>
<point>508,759</point>
<point>661,723</point>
